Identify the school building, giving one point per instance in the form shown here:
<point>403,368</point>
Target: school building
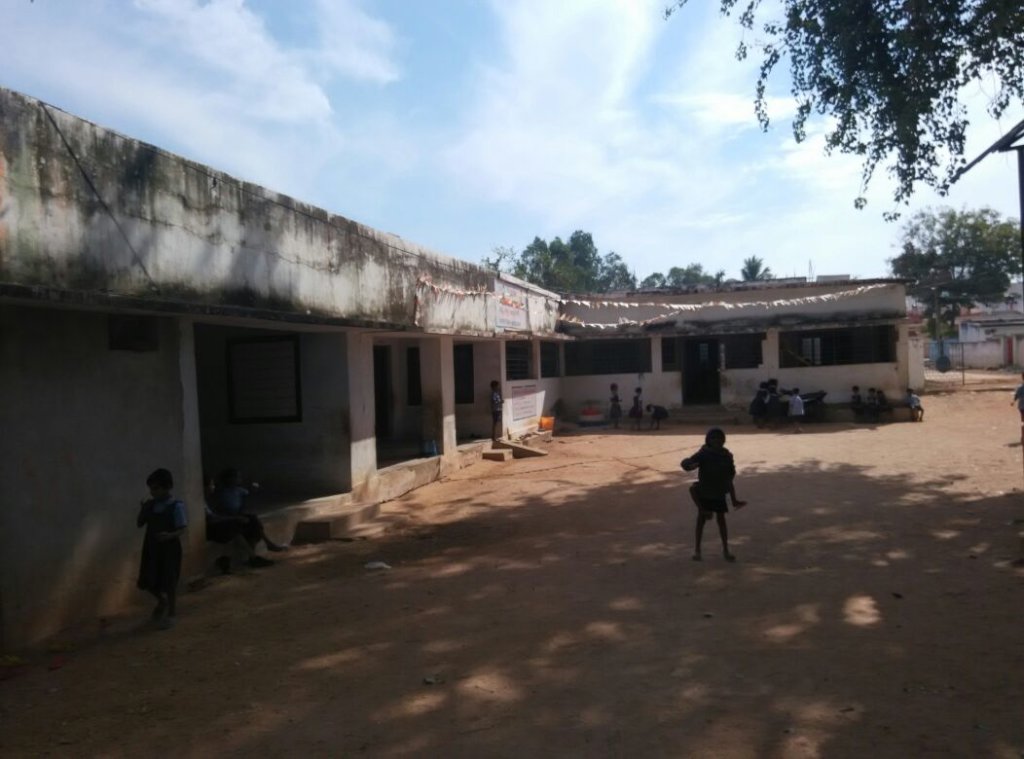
<point>155,312</point>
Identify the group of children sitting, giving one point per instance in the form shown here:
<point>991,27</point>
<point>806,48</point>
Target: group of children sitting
<point>228,523</point>
<point>870,408</point>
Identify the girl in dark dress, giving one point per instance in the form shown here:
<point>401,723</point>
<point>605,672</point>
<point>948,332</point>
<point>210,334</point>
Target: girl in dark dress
<point>715,473</point>
<point>164,518</point>
<point>636,411</point>
<point>615,409</point>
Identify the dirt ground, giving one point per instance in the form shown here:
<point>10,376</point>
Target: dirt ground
<point>549,607</point>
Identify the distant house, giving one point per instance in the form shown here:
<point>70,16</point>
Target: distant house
<point>992,340</point>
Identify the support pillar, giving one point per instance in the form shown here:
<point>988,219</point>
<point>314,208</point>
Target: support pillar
<point>361,414</point>
<point>437,379</point>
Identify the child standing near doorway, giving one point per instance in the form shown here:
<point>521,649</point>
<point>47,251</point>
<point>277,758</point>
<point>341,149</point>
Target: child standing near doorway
<point>164,518</point>
<point>716,471</point>
<point>615,406</point>
<point>496,405</point>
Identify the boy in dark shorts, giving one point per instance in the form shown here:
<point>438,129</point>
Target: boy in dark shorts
<point>715,474</point>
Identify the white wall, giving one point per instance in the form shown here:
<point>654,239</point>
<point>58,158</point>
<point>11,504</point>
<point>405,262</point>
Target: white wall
<point>305,458</point>
<point>82,426</point>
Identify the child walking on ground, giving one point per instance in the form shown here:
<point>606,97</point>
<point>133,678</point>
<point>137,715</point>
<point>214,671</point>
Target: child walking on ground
<point>715,474</point>
<point>615,408</point>
<point>164,518</point>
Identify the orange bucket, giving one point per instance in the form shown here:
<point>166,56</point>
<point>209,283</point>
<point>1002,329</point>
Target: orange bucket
<point>546,423</point>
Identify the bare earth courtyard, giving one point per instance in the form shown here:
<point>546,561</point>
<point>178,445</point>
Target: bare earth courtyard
<point>549,607</point>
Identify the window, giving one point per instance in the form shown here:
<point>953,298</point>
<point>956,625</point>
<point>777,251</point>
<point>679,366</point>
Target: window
<point>139,334</point>
<point>549,363</point>
<point>743,351</point>
<point>670,353</point>
<point>517,359</point>
<point>607,357</point>
<point>834,347</point>
<point>263,380</point>
<point>463,373</point>
<point>413,384</point>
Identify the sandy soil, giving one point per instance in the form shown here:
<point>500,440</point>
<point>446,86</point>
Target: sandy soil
<point>549,607</point>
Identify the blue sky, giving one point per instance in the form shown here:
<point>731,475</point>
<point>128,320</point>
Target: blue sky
<point>465,125</point>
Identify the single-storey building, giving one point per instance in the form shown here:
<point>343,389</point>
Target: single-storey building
<point>156,312</point>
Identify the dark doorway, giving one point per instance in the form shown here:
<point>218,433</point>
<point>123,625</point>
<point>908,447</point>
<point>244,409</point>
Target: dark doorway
<point>700,372</point>
<point>382,391</point>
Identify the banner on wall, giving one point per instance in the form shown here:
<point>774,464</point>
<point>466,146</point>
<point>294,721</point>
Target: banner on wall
<point>511,307</point>
<point>524,402</point>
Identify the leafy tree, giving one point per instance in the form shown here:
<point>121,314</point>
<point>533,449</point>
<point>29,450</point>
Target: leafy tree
<point>657,279</point>
<point>890,73</point>
<point>958,258</point>
<point>504,259</point>
<point>685,276</point>
<point>754,270</point>
<point>573,266</point>
<point>615,275</point>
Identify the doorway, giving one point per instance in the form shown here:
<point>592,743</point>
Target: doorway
<point>382,392</point>
<point>700,372</point>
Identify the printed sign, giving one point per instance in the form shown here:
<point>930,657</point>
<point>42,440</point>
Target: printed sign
<point>524,402</point>
<point>511,307</point>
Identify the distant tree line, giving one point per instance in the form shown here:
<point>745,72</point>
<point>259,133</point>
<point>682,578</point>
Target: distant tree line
<point>577,266</point>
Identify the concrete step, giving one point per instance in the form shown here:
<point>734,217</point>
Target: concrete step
<point>335,523</point>
<point>519,450</point>
<point>502,454</point>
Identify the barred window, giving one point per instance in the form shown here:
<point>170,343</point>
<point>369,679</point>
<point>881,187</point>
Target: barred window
<point>607,357</point>
<point>834,347</point>
<point>517,359</point>
<point>413,382</point>
<point>670,353</point>
<point>549,363</point>
<point>743,351</point>
<point>463,360</point>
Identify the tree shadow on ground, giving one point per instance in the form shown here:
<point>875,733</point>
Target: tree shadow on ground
<point>567,619</point>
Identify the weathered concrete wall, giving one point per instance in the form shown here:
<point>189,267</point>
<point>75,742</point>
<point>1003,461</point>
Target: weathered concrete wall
<point>83,426</point>
<point>305,458</point>
<point>153,226</point>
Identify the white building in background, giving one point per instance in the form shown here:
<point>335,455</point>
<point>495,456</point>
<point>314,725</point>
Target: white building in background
<point>155,312</point>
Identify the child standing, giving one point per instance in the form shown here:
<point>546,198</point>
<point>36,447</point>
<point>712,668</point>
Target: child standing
<point>496,405</point>
<point>615,408</point>
<point>796,408</point>
<point>164,518</point>
<point>716,471</point>
<point>636,411</point>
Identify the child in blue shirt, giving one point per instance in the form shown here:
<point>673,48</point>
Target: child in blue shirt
<point>165,521</point>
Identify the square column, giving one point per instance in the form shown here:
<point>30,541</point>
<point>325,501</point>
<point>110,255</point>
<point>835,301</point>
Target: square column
<point>437,380</point>
<point>361,413</point>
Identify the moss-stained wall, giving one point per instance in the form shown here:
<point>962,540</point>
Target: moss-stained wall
<point>83,208</point>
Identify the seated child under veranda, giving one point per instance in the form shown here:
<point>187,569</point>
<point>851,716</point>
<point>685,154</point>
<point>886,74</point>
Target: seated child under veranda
<point>716,471</point>
<point>227,518</point>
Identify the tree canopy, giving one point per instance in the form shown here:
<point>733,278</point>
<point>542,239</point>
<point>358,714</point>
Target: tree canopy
<point>889,73</point>
<point>958,258</point>
<point>754,270</point>
<point>573,266</point>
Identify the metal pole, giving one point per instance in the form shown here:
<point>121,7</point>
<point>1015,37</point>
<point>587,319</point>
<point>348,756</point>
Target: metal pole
<point>1020,195</point>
